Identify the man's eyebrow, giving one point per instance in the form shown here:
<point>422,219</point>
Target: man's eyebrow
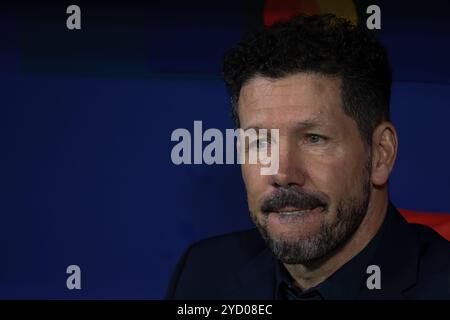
<point>252,127</point>
<point>308,124</point>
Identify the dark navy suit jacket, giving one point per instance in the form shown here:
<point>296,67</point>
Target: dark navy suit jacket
<point>414,263</point>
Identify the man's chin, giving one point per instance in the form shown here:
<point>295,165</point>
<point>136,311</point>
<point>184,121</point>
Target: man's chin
<point>295,250</point>
<point>293,240</point>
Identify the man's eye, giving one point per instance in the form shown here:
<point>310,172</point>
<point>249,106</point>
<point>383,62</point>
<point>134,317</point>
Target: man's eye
<point>314,138</point>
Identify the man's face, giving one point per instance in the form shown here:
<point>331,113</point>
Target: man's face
<point>321,192</point>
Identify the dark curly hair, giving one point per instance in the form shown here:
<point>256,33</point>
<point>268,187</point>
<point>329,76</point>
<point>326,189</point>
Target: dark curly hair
<point>323,44</point>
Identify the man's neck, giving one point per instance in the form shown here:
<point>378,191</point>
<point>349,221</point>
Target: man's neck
<point>310,276</point>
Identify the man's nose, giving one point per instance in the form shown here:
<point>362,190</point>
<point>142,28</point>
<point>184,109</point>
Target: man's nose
<point>291,168</point>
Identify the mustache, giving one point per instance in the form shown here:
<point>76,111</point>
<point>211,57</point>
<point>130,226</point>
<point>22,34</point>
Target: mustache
<point>292,197</point>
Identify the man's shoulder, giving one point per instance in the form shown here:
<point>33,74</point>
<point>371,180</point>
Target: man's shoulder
<point>433,269</point>
<point>431,242</point>
<point>238,246</point>
<point>433,247</point>
<point>428,244</point>
<point>208,268</point>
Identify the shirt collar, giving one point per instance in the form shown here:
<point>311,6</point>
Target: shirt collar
<point>345,283</point>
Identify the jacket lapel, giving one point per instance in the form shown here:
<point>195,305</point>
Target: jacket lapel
<point>256,279</point>
<point>397,256</point>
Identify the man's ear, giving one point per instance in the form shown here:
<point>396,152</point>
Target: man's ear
<point>384,152</point>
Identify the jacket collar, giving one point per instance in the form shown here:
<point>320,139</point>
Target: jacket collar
<point>396,255</point>
<point>256,280</point>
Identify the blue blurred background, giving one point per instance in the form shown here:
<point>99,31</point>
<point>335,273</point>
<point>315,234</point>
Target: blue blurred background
<point>86,122</point>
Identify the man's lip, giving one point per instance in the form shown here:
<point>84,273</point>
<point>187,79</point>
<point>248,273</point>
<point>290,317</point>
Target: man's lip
<point>291,209</point>
<point>294,209</point>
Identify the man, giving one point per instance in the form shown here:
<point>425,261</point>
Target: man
<point>327,229</point>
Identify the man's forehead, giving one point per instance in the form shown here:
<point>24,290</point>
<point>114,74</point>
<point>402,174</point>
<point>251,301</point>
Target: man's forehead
<point>302,100</point>
<point>289,89</point>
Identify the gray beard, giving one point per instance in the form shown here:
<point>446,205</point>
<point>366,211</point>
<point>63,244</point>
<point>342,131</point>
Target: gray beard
<point>311,250</point>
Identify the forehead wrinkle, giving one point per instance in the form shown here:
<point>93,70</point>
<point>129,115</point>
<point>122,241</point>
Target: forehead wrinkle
<point>274,88</point>
<point>263,87</point>
<point>313,121</point>
<point>271,94</point>
<point>258,90</point>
